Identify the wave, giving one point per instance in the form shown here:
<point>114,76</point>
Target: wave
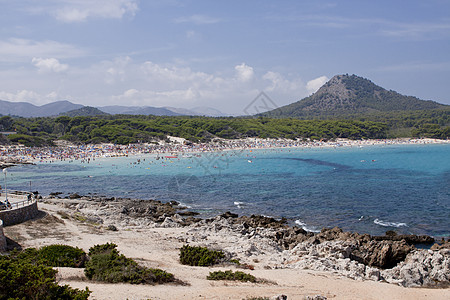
<point>305,227</point>
<point>389,224</point>
<point>239,204</point>
<point>184,205</point>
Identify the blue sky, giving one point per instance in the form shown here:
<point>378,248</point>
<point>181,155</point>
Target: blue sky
<point>219,54</point>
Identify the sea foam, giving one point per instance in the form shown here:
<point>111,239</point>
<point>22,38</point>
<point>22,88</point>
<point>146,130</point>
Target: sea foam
<point>389,224</point>
<point>239,204</point>
<point>305,227</point>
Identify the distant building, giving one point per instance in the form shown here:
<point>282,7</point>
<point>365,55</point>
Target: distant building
<point>7,132</point>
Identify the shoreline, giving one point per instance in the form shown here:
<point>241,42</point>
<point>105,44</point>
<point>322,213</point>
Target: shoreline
<point>387,224</point>
<point>298,264</point>
<point>13,155</point>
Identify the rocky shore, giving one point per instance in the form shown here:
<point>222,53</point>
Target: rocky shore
<point>272,244</point>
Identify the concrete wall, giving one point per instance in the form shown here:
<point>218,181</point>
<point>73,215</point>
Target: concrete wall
<point>19,215</point>
<point>2,238</point>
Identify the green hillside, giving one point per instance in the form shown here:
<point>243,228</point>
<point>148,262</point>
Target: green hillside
<point>86,111</point>
<point>345,95</point>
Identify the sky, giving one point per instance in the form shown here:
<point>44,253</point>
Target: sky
<point>219,54</point>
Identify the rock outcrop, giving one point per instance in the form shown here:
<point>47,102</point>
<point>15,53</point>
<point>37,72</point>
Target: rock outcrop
<point>392,258</point>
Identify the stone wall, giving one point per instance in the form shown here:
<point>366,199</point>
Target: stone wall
<point>2,238</point>
<point>19,215</point>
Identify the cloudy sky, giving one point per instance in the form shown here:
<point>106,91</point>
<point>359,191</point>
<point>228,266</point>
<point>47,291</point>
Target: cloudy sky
<point>219,54</point>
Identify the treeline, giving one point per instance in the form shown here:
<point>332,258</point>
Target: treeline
<point>126,129</point>
<point>433,123</point>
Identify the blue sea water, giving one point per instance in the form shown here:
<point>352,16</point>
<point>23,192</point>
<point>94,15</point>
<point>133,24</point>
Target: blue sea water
<point>369,190</point>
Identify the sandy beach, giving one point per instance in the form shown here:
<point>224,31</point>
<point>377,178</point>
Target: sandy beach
<point>298,266</point>
<point>66,151</point>
<point>83,223</point>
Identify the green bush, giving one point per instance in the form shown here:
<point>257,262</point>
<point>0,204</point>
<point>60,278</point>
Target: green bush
<point>106,264</point>
<point>98,249</point>
<point>230,275</point>
<point>21,278</point>
<point>63,256</point>
<point>53,256</point>
<point>199,256</point>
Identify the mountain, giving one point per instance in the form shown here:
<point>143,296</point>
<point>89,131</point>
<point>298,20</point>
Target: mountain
<point>138,110</point>
<point>208,111</point>
<point>350,94</point>
<point>162,111</point>
<point>198,111</point>
<point>86,111</point>
<point>25,109</point>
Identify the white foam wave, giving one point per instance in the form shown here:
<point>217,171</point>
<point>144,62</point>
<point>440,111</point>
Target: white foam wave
<point>305,227</point>
<point>389,224</point>
<point>239,204</point>
<point>184,205</point>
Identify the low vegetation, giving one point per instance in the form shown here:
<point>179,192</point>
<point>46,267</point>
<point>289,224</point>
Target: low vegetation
<point>107,265</point>
<point>63,256</point>
<point>28,274</point>
<point>53,256</point>
<point>25,276</point>
<point>126,129</point>
<point>230,275</point>
<point>200,256</point>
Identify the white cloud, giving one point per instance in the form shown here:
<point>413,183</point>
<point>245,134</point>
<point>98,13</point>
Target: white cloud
<point>130,93</point>
<point>156,98</point>
<point>115,70</point>
<point>198,20</point>
<point>313,85</point>
<point>243,72</point>
<point>172,75</point>
<point>279,83</point>
<point>28,96</point>
<point>124,81</point>
<point>49,65</point>
<point>19,50</point>
<point>70,11</point>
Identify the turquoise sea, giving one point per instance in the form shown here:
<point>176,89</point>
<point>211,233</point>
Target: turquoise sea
<point>368,189</point>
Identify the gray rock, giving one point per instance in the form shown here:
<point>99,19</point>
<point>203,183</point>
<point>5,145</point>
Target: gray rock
<point>279,297</point>
<point>169,223</point>
<point>316,297</point>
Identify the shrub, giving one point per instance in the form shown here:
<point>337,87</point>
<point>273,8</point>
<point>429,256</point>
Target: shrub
<point>63,256</point>
<point>53,256</point>
<point>98,249</point>
<point>106,264</point>
<point>229,275</point>
<point>21,278</point>
<point>199,256</point>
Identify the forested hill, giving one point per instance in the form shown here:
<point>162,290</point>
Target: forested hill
<point>125,129</point>
<point>344,95</point>
<point>86,111</point>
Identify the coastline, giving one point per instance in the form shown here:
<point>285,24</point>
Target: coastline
<point>292,263</point>
<point>13,155</point>
<point>215,163</point>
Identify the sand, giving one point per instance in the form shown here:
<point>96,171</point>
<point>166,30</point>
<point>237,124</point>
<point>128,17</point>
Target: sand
<point>159,247</point>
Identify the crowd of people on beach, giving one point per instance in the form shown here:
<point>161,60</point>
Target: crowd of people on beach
<point>21,154</point>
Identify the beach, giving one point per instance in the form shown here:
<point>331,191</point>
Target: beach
<point>66,151</point>
<point>331,264</point>
<point>155,240</point>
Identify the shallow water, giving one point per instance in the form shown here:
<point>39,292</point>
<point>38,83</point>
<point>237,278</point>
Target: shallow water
<point>369,190</point>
